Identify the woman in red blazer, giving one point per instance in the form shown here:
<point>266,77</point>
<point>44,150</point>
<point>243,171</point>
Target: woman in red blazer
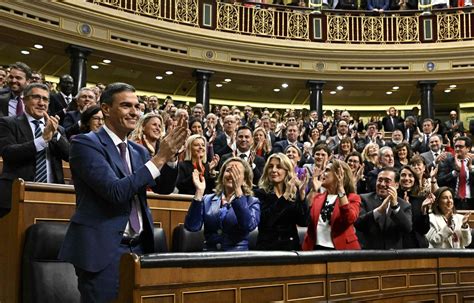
<point>334,211</point>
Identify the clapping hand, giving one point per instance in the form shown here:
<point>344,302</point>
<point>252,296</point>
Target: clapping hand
<point>214,162</point>
<point>465,218</point>
<point>52,123</point>
<point>199,183</point>
<point>171,144</point>
<point>426,205</point>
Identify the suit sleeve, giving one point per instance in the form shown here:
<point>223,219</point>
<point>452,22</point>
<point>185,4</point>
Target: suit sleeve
<point>403,218</point>
<point>60,147</point>
<point>12,151</point>
<point>247,211</point>
<point>195,217</point>
<point>348,213</point>
<point>366,217</point>
<point>90,162</point>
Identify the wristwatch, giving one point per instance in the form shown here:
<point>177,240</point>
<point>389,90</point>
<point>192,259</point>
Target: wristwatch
<point>341,194</point>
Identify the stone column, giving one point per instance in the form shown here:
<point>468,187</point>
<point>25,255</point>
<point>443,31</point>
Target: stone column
<point>427,98</point>
<point>316,96</point>
<point>78,56</point>
<point>202,87</point>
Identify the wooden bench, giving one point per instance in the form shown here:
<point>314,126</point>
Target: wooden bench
<point>424,275</point>
<point>35,202</point>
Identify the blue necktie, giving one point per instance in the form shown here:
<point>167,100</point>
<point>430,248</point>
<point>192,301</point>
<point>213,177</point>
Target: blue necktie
<point>134,220</point>
<point>41,174</point>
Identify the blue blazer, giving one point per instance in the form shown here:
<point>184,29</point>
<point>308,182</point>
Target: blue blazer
<point>225,227</point>
<point>103,195</point>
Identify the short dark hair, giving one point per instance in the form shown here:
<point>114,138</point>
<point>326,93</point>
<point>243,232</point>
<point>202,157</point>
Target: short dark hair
<point>243,127</point>
<point>354,154</point>
<point>467,140</point>
<point>392,169</point>
<point>322,146</point>
<point>23,67</point>
<point>29,88</point>
<point>86,116</point>
<point>115,88</point>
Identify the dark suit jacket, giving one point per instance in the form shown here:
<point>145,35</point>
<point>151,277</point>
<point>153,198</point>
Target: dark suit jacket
<point>19,156</point>
<point>257,171</point>
<point>5,96</point>
<point>103,199</point>
<point>403,129</point>
<point>279,147</point>
<point>388,236</point>
<point>57,104</point>
<point>446,177</point>
<point>387,123</point>
<point>185,182</point>
<point>278,219</point>
<point>71,124</point>
<point>220,145</point>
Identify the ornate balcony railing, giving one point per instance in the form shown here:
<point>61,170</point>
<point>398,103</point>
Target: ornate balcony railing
<point>294,23</point>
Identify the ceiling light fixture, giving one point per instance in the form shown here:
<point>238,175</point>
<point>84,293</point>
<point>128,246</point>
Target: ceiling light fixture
<point>389,93</point>
<point>219,85</point>
<point>38,46</point>
<point>333,92</point>
<point>453,86</point>
<point>447,90</point>
<point>276,90</point>
<point>340,87</point>
<point>227,80</point>
<point>25,52</point>
<point>169,73</point>
<point>94,66</point>
<point>396,87</point>
<point>284,85</point>
<point>159,77</point>
<point>107,61</point>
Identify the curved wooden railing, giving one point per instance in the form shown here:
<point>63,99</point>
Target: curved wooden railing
<point>295,23</point>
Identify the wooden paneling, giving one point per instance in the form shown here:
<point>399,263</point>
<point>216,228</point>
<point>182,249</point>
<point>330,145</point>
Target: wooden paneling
<point>34,202</point>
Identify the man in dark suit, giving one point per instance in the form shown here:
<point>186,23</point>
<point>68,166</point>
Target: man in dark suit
<point>11,98</point>
<point>111,175</point>
<point>384,218</point>
<point>456,173</point>
<point>72,121</point>
<point>408,128</point>
<point>422,143</point>
<point>435,155</point>
<point>32,145</point>
<point>292,133</point>
<point>225,142</point>
<point>244,140</point>
<point>453,125</point>
<point>62,101</point>
<point>391,121</point>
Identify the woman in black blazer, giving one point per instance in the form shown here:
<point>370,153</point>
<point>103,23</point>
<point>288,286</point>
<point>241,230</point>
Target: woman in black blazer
<point>282,205</point>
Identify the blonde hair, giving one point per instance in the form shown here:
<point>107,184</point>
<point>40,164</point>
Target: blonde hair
<point>138,134</point>
<point>248,177</point>
<point>287,165</point>
<point>267,147</point>
<point>349,186</point>
<point>365,152</point>
<point>189,145</point>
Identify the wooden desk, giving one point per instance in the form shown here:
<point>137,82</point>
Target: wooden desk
<point>357,276</point>
<point>34,202</point>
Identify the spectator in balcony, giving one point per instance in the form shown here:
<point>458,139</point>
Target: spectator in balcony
<point>378,5</point>
<point>333,212</point>
<point>228,215</point>
<point>447,228</point>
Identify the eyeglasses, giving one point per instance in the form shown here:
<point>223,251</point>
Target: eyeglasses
<point>353,161</point>
<point>38,97</point>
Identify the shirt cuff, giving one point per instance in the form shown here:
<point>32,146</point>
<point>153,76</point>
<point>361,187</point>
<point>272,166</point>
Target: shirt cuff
<point>40,144</point>
<point>172,164</point>
<point>154,171</point>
